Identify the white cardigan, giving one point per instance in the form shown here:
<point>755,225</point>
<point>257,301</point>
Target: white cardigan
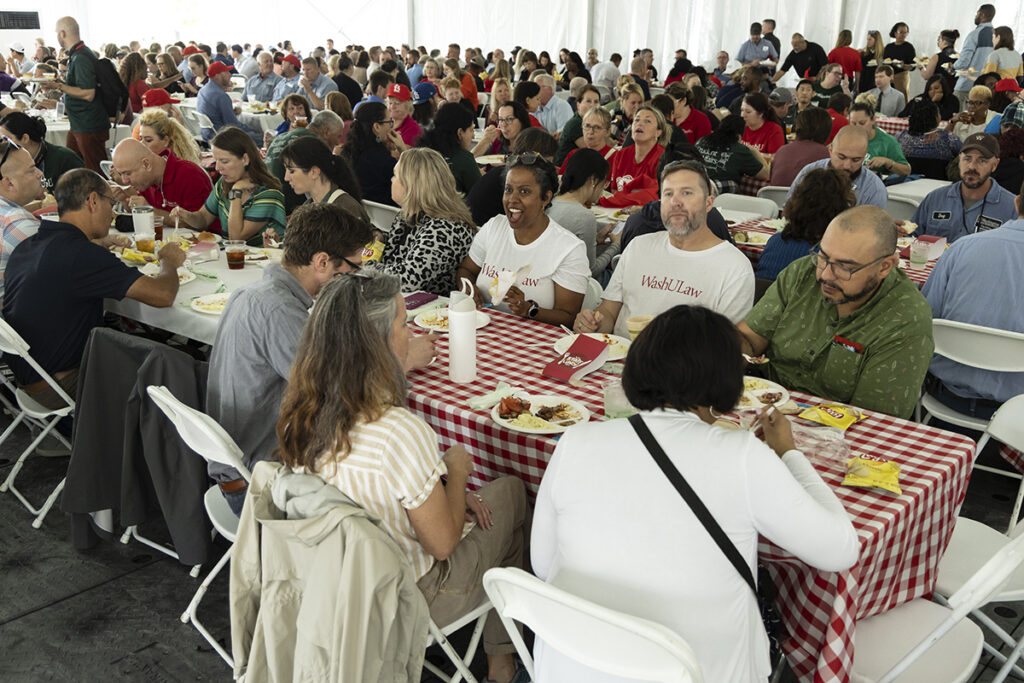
<point>610,527</point>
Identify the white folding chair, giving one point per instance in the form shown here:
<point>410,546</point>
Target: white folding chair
<point>603,639</point>
<point>985,348</point>
<point>381,215</point>
<point>30,410</point>
<point>439,636</point>
<point>901,208</point>
<point>776,193</point>
<point>207,438</point>
<point>594,294</point>
<point>204,122</point>
<point>926,642</point>
<point>766,208</point>
<point>971,545</point>
<point>606,94</point>
<point>108,168</point>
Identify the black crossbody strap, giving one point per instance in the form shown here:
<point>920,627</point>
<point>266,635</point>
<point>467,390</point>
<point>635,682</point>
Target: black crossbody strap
<point>691,498</point>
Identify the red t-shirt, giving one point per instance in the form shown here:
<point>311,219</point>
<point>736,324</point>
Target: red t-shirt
<point>184,184</point>
<point>838,121</point>
<point>767,139</point>
<point>535,122</point>
<point>848,57</point>
<point>624,168</point>
<point>468,89</point>
<point>135,91</point>
<point>604,151</point>
<point>696,125</point>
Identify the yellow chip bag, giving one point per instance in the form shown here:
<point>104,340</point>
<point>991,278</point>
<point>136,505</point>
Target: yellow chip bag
<point>373,251</point>
<point>833,415</point>
<point>870,472</point>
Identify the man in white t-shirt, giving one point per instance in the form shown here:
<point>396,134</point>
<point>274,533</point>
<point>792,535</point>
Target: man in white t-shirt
<point>686,264</point>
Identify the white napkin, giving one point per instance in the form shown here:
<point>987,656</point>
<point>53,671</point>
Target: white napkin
<point>487,401</point>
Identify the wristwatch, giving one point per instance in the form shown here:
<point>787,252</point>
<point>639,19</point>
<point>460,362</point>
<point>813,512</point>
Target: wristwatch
<point>234,194</point>
<point>533,310</point>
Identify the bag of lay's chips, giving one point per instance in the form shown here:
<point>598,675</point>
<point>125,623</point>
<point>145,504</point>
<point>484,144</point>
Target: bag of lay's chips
<point>871,472</point>
<point>373,251</point>
<point>833,415</point>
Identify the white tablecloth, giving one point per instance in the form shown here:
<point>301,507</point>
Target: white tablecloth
<point>180,318</point>
<point>57,133</point>
<point>261,122</point>
<point>916,190</point>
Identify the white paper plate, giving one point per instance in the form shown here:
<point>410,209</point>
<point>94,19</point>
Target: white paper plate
<point>491,160</point>
<point>757,238</point>
<point>211,304</point>
<point>609,213</point>
<point>436,320</point>
<point>751,399</point>
<point>254,255</point>
<point>538,402</point>
<point>619,345</point>
<point>153,269</point>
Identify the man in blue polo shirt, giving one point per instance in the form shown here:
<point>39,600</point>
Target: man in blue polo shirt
<point>978,281</point>
<point>846,155</point>
<point>973,204</point>
<point>214,102</point>
<point>291,69</point>
<point>57,279</point>
<point>260,88</point>
<point>756,50</point>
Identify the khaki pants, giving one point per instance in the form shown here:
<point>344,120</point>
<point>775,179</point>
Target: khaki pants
<point>49,398</point>
<point>900,82</point>
<point>455,586</point>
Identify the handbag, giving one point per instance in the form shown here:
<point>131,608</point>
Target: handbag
<point>766,593</point>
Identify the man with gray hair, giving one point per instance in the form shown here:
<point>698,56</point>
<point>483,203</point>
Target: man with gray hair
<point>326,125</point>
<point>844,322</point>
<point>553,111</point>
<point>260,88</point>
<point>684,264</point>
<point>66,270</point>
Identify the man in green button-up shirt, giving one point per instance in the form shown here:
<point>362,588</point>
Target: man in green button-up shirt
<point>846,324</point>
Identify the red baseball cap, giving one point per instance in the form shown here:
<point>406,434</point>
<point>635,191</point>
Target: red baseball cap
<point>293,60</point>
<point>217,68</point>
<point>1007,85</point>
<point>191,50</point>
<point>156,97</point>
<point>399,92</point>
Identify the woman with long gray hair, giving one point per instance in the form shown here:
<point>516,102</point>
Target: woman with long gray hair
<point>344,419</point>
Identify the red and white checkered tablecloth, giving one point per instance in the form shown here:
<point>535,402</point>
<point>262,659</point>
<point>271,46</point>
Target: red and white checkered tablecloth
<point>902,537</point>
<point>891,124</point>
<point>753,251</point>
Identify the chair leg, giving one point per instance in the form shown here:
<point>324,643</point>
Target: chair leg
<point>9,482</point>
<point>474,642</point>
<point>998,631</point>
<point>1016,507</point>
<point>190,612</point>
<point>38,522</point>
<point>1010,663</point>
<point>460,665</point>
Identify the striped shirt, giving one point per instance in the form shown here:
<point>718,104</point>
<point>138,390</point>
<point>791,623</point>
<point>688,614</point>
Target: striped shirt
<point>392,467</point>
<point>265,205</point>
<point>17,224</point>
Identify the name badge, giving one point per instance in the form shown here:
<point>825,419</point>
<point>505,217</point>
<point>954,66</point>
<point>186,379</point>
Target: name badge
<point>986,223</point>
<point>941,215</point>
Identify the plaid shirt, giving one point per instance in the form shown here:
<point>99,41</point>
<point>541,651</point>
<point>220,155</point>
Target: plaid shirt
<point>17,224</point>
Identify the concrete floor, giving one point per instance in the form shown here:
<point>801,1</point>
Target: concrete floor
<point>111,613</point>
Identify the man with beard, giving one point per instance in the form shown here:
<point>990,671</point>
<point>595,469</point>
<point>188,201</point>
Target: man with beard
<point>844,322</point>
<point>846,154</point>
<point>973,204</point>
<point>685,264</point>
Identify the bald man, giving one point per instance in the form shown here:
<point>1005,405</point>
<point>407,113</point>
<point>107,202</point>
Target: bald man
<point>162,181</point>
<point>846,154</point>
<point>806,58</point>
<point>844,322</point>
<point>89,124</point>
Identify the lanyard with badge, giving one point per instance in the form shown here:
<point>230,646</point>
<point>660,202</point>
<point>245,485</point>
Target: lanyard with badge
<point>983,222</point>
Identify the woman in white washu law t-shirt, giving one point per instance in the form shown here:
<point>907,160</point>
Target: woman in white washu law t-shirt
<point>549,262</point>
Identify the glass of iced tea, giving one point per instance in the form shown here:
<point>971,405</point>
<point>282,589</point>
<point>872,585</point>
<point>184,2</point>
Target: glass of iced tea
<point>235,252</point>
<point>158,227</point>
<point>145,241</point>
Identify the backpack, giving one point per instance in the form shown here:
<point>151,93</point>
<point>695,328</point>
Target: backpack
<point>111,92</point>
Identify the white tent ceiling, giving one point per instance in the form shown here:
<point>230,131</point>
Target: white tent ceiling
<point>609,25</point>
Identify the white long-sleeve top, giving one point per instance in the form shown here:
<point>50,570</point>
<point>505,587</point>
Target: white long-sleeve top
<point>610,527</point>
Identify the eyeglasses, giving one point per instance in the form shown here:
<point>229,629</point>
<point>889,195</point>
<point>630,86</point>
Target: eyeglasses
<point>526,158</point>
<point>387,122</point>
<point>11,144</point>
<point>841,270</point>
<point>354,266</point>
<point>590,127</point>
<point>510,119</point>
<point>109,198</point>
<point>976,103</point>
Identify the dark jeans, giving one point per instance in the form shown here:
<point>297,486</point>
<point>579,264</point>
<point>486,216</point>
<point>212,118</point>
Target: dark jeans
<point>980,408</point>
<point>236,500</point>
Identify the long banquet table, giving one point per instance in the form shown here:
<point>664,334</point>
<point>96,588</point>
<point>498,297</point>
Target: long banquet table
<point>902,537</point>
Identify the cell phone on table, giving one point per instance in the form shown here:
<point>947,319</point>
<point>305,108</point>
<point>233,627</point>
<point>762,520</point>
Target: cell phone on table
<point>419,299</point>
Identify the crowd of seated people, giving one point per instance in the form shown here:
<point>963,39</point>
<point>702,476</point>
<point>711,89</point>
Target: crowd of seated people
<point>412,129</point>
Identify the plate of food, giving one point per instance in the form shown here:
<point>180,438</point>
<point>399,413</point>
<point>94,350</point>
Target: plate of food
<point>211,304</point>
<point>436,320</point>
<point>775,224</point>
<point>193,237</point>
<point>758,393</point>
<point>257,255</point>
<point>491,160</point>
<point>609,213</point>
<point>539,414</point>
<point>153,269</point>
<point>619,345</point>
<point>757,238</point>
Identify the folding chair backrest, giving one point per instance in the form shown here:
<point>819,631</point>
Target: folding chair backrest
<point>381,215</point>
<point>12,343</point>
<point>985,348</point>
<point>200,431</point>
<point>776,193</point>
<point>203,120</point>
<point>1007,425</point>
<point>593,295</point>
<point>901,208</point>
<point>766,208</point>
<point>601,638</point>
